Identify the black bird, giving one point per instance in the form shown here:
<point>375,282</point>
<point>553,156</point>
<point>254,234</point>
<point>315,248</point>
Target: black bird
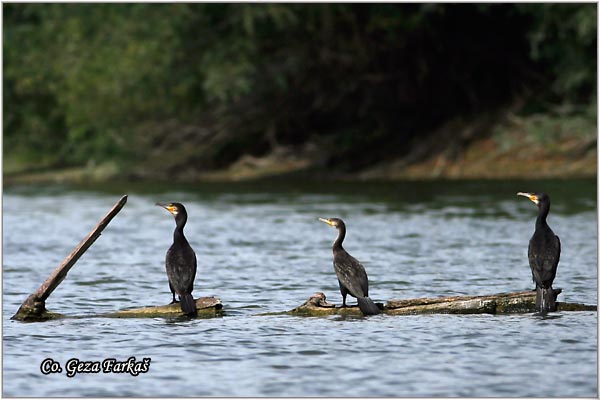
<point>351,275</point>
<point>544,254</point>
<point>181,261</point>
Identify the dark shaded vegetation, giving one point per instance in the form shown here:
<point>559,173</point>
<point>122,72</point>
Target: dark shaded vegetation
<point>159,88</point>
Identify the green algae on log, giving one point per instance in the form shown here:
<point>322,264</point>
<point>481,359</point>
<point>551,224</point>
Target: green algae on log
<point>502,303</point>
<point>207,307</point>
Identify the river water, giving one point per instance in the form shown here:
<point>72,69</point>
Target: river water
<point>261,249</point>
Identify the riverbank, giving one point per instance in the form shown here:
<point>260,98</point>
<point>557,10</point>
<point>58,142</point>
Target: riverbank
<point>485,159</point>
<point>517,148</point>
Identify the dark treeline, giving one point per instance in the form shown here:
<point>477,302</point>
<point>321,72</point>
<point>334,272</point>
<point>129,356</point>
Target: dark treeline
<point>135,83</point>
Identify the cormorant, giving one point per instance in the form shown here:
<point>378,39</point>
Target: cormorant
<point>181,261</point>
<point>351,275</point>
<point>543,253</point>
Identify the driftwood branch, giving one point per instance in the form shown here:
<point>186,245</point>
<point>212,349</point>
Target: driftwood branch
<point>502,303</point>
<point>34,307</point>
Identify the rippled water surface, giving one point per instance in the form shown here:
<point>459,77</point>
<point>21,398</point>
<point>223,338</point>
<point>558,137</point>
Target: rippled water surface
<point>261,249</point>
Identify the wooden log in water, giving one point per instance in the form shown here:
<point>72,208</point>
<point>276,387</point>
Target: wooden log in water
<point>502,303</point>
<point>206,306</point>
<point>34,307</point>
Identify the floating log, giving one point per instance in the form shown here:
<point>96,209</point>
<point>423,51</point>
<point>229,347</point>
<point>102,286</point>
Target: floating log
<point>34,307</point>
<point>206,306</point>
<point>502,303</point>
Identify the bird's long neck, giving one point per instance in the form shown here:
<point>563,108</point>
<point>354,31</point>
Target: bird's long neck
<point>337,245</point>
<point>544,209</point>
<point>178,235</point>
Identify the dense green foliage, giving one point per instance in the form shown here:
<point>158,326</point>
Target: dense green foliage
<point>125,82</point>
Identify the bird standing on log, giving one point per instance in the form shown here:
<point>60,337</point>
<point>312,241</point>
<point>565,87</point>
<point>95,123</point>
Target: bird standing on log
<point>181,261</point>
<point>544,254</point>
<point>351,275</point>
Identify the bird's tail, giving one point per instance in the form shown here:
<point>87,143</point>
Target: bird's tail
<point>187,303</point>
<point>367,306</point>
<point>545,300</point>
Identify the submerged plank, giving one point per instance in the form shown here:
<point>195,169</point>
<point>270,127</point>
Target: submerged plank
<point>501,303</point>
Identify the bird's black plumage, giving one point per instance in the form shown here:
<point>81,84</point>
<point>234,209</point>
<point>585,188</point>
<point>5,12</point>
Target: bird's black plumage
<point>181,261</point>
<point>543,253</point>
<point>351,274</point>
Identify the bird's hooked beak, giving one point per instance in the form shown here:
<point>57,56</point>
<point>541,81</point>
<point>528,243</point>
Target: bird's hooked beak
<point>169,207</point>
<point>530,196</point>
<point>327,221</point>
